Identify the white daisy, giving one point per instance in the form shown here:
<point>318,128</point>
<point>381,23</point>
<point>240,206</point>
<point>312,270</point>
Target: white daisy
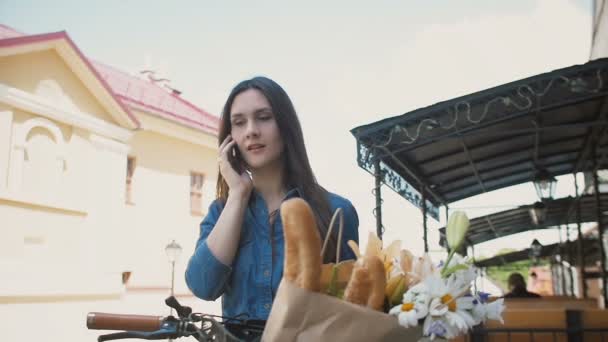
<point>448,303</point>
<point>415,307</point>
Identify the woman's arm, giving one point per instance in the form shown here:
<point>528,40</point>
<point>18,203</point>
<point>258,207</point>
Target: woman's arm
<point>224,238</point>
<point>209,268</point>
<point>206,276</point>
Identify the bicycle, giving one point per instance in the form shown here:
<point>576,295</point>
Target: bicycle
<point>149,327</point>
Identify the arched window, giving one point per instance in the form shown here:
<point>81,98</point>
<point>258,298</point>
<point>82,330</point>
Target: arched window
<point>38,161</point>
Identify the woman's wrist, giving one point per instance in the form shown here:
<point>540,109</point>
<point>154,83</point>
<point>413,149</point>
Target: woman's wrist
<point>238,195</point>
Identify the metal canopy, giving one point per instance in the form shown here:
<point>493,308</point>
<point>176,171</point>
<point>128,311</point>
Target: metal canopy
<point>559,212</point>
<point>590,247</point>
<point>492,139</point>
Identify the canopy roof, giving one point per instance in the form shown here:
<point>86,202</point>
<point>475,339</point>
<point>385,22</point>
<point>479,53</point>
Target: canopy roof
<point>492,139</point>
<point>591,254</point>
<point>559,212</point>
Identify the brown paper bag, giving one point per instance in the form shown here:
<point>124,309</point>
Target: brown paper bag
<point>301,315</point>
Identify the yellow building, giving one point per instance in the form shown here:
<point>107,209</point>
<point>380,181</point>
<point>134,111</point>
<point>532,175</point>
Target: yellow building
<point>99,171</point>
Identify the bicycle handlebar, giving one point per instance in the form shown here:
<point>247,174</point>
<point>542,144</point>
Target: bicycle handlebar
<point>109,321</point>
<point>150,327</point>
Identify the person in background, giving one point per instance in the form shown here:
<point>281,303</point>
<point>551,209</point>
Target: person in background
<point>517,287</point>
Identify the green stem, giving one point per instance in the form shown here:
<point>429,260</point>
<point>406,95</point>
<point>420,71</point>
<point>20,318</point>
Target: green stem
<point>447,262</point>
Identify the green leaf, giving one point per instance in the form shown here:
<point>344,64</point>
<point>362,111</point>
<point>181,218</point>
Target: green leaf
<point>453,269</point>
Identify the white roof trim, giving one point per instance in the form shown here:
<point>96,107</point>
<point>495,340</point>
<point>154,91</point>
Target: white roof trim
<point>41,106</point>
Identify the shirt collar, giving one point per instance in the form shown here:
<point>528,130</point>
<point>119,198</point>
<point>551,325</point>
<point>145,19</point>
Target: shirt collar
<point>294,192</point>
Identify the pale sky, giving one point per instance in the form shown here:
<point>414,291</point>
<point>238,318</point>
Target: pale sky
<point>343,63</point>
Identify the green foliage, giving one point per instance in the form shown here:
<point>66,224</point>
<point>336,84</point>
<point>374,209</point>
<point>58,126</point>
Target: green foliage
<point>500,274</point>
<point>505,251</point>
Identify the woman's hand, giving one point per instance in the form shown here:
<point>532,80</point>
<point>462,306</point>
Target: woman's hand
<point>238,184</point>
<point>223,240</point>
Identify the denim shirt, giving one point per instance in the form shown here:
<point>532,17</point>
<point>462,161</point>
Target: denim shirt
<point>249,285</point>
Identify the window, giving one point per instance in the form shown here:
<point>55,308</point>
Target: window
<point>196,193</point>
<point>38,165</point>
<point>129,185</point>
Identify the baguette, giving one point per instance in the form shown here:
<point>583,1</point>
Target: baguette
<point>359,286</point>
<point>378,282</point>
<point>302,264</point>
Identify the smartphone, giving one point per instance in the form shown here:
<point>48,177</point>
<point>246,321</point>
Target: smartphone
<point>236,160</point>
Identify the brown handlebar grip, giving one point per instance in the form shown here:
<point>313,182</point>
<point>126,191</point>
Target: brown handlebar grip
<point>109,321</point>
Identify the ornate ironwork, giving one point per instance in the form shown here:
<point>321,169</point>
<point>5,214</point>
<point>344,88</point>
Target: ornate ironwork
<point>538,93</point>
<point>391,178</point>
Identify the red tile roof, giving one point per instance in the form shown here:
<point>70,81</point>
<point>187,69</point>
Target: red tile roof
<point>147,96</point>
<point>9,32</point>
<point>141,94</point>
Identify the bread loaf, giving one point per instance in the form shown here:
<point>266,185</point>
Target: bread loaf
<point>302,264</point>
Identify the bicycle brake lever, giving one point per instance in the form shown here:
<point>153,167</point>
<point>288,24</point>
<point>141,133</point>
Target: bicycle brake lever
<point>182,311</point>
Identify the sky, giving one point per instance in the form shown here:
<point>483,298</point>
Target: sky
<point>343,63</point>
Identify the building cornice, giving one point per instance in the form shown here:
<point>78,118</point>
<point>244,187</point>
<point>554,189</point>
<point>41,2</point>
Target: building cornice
<point>38,105</point>
<point>174,130</point>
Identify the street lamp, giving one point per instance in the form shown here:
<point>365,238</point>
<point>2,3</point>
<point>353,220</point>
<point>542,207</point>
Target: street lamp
<point>536,250</point>
<point>538,213</point>
<point>173,250</point>
<point>544,184</point>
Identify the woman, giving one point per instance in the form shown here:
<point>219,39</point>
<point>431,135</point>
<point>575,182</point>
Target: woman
<point>262,162</point>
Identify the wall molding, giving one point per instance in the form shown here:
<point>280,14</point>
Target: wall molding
<point>110,145</point>
<point>25,200</point>
<point>42,106</point>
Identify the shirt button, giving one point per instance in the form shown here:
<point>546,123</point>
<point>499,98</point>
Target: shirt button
<point>266,273</point>
<point>266,306</point>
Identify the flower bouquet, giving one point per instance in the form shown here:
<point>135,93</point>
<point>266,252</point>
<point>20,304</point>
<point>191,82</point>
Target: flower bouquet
<point>387,294</point>
<point>437,297</point>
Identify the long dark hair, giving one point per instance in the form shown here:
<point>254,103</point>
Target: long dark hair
<point>298,173</point>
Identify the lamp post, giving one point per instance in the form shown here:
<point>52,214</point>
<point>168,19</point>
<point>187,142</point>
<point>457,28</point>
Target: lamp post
<point>538,213</point>
<point>173,250</point>
<point>544,184</point>
<point>536,250</point>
